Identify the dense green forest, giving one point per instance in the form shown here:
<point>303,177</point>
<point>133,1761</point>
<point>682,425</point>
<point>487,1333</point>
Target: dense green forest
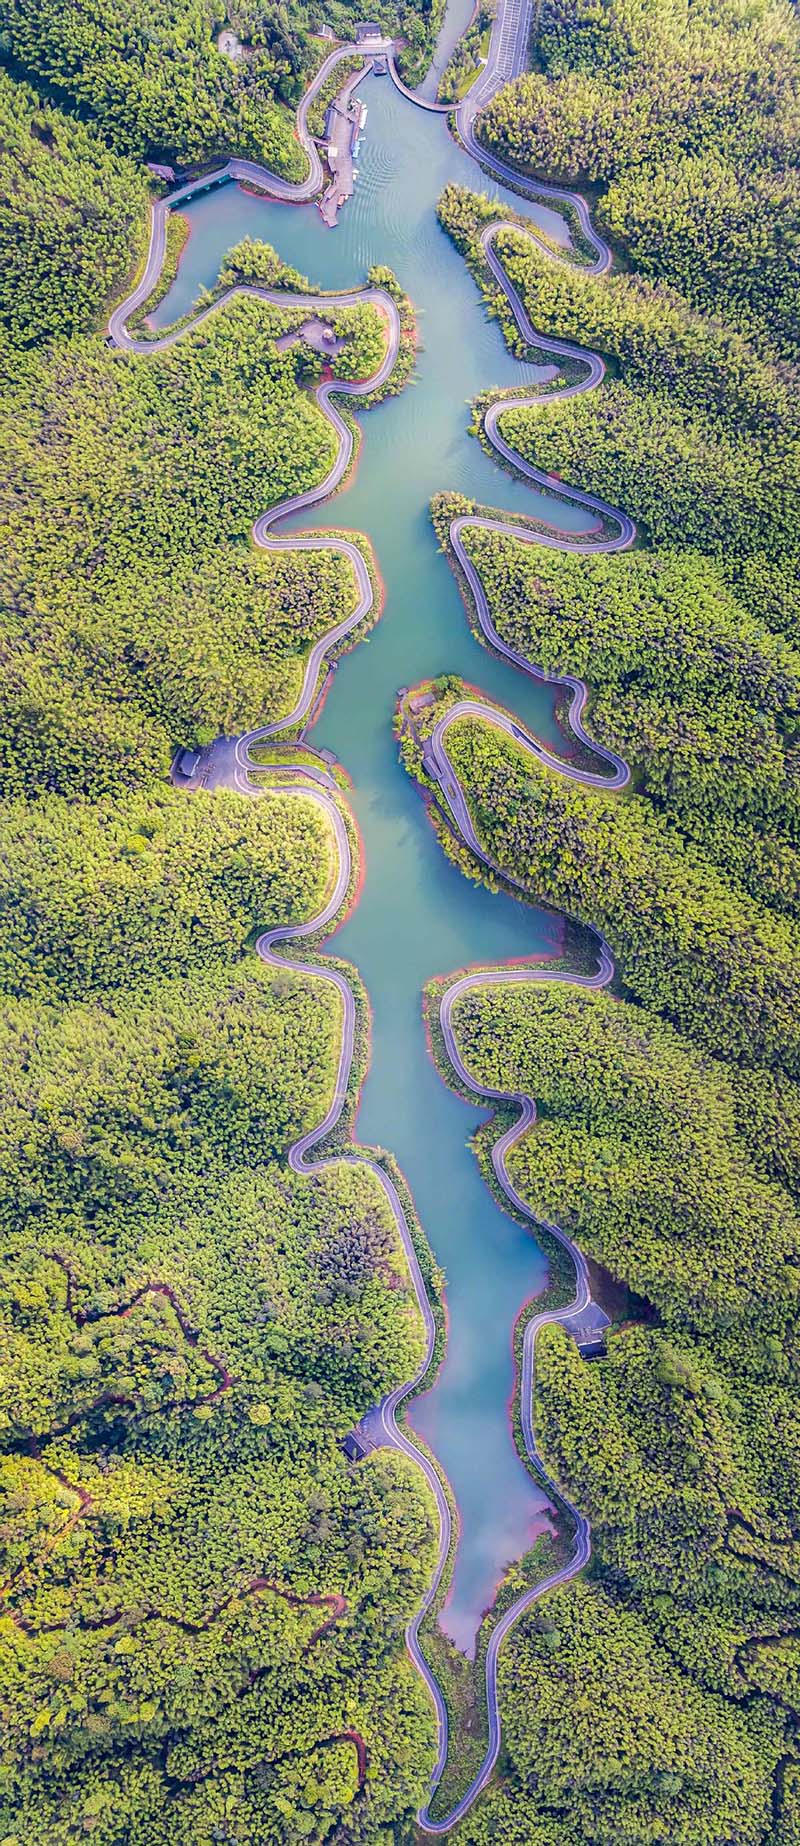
<point>689,941</point>
<point>628,1699</point>
<point>203,1601</point>
<point>193,1569</point>
<point>694,431</point>
<point>658,1698</point>
<point>698,697</point>
<point>153,77</point>
<point>72,218</point>
<point>675,470</point>
<point>609,1742</point>
<point>136,614</point>
<point>641,1131</point>
<point>169,885</point>
<point>658,340</point>
<point>698,439</point>
<point>156,82</point>
<point>684,118</point>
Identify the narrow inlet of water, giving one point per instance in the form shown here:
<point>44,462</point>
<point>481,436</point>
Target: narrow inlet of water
<point>418,916</point>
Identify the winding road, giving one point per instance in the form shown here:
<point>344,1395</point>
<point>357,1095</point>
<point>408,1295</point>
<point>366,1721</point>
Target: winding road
<point>395,1436</point>
<point>507,56</point>
<point>290,192</point>
<point>325,393</point>
<point>467,983</point>
<point>507,59</point>
<point>301,1162</point>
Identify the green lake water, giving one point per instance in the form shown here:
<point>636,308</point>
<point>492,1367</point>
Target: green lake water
<point>418,916</point>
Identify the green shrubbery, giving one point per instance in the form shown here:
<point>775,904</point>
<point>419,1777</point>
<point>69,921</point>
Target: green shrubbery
<point>686,121</point>
<point>469,55</point>
<point>71,217</point>
<point>137,614</point>
<point>203,1602</point>
<point>688,942</point>
<point>252,260</point>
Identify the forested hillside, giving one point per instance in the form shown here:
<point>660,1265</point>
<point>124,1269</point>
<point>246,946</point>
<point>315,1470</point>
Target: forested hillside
<point>155,81</point>
<point>73,218</point>
<point>694,430</point>
<point>126,506</point>
<point>608,1741</point>
<point>685,119</point>
<point>697,696</point>
<point>689,940</point>
<point>657,1699</point>
<point>153,77</point>
<point>202,1601</point>
<point>698,438</point>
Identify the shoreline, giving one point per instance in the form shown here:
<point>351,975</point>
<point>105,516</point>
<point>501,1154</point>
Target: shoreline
<point>315,1139</point>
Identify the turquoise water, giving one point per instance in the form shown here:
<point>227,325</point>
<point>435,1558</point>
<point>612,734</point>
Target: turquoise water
<point>456,20</point>
<point>418,916</point>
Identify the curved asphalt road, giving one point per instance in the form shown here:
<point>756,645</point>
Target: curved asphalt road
<point>297,192</point>
<point>300,1162</point>
<point>296,503</point>
<point>507,56</point>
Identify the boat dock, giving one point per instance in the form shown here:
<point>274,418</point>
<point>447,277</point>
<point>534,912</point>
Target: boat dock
<point>344,126</point>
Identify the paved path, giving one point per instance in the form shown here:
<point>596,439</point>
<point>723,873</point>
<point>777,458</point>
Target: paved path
<point>508,58</point>
<point>386,1414</point>
<point>325,394</point>
<point>235,766</point>
<point>413,96</point>
<point>291,192</point>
